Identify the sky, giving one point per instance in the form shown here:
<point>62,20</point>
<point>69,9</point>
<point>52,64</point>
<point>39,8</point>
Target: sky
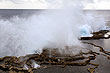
<point>23,4</point>
<point>42,4</point>
<point>99,4</point>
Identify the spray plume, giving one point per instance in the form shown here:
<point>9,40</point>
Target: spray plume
<point>48,29</point>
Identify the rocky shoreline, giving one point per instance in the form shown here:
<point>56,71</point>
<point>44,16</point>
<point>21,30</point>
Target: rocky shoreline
<point>31,63</point>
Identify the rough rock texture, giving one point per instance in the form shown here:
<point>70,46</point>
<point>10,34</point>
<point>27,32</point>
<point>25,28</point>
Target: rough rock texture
<point>97,35</point>
<point>26,64</point>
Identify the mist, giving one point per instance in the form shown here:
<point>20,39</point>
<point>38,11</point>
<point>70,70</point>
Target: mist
<point>47,29</point>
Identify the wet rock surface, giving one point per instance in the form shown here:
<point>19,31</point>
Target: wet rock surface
<point>102,34</point>
<point>24,64</point>
<point>84,62</point>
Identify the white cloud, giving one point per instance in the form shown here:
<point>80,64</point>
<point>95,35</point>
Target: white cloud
<point>99,5</point>
<point>43,4</point>
<point>23,4</point>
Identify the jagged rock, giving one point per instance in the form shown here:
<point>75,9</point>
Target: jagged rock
<point>24,64</point>
<point>102,34</point>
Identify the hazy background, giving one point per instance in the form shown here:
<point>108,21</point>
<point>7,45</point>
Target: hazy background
<point>44,4</point>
